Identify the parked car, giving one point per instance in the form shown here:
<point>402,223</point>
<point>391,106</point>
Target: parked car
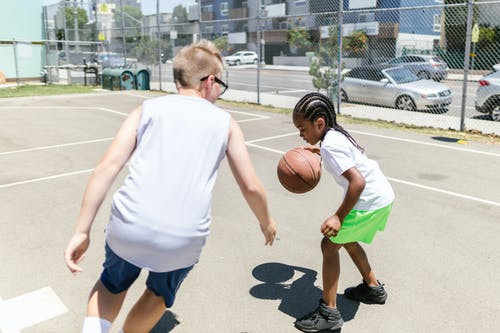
<point>394,87</point>
<point>242,57</point>
<point>488,95</point>
<point>496,67</point>
<point>423,66</point>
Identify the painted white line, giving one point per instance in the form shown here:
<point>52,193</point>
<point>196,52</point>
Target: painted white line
<point>434,189</point>
<point>30,309</point>
<point>64,107</point>
<point>272,137</point>
<point>291,91</point>
<point>112,111</point>
<point>429,188</point>
<point>45,178</point>
<point>424,143</point>
<point>54,146</point>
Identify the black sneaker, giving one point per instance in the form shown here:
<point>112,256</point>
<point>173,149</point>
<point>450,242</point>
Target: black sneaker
<point>323,318</point>
<point>367,294</point>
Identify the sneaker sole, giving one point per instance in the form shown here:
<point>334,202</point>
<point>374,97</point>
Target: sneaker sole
<point>366,301</point>
<point>334,328</point>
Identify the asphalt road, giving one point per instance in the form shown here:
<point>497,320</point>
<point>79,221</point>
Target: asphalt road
<point>297,83</point>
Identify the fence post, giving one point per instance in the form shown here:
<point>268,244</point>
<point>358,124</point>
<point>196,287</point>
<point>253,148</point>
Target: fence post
<point>14,47</point>
<point>159,39</point>
<point>339,51</point>
<point>258,51</point>
<point>122,26</point>
<point>470,9</point>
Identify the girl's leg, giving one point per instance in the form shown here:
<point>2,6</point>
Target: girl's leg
<point>104,304</point>
<point>331,271</point>
<point>146,312</point>
<point>360,259</point>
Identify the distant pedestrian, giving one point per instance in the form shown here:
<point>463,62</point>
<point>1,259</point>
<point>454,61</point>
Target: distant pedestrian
<point>364,210</point>
<point>160,216</point>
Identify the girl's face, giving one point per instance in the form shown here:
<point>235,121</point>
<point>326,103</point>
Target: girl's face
<point>310,131</point>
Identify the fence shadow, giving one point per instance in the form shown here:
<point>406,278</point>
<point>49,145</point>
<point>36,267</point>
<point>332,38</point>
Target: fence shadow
<point>300,296</point>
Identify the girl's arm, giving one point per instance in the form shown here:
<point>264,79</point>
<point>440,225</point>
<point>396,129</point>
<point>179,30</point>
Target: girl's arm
<point>356,186</point>
<point>249,183</point>
<point>98,186</point>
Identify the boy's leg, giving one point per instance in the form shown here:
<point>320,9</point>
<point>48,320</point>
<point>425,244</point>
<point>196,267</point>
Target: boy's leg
<point>146,312</point>
<point>358,256</point>
<point>331,271</point>
<point>104,304</point>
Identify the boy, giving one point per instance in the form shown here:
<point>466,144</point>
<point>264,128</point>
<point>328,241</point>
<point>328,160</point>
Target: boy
<point>160,217</point>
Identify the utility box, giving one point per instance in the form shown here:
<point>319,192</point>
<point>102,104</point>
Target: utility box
<point>142,78</point>
<point>118,79</point>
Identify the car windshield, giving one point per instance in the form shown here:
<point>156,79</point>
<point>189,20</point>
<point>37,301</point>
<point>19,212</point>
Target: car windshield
<point>401,75</point>
<point>236,54</point>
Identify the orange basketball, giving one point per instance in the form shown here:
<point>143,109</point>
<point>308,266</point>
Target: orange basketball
<point>299,170</point>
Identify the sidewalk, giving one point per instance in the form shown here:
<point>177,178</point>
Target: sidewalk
<point>423,119</point>
<point>451,76</point>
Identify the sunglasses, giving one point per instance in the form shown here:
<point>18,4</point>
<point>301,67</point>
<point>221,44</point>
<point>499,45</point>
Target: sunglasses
<point>219,81</point>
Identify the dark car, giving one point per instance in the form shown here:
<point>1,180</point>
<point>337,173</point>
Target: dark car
<point>423,66</point>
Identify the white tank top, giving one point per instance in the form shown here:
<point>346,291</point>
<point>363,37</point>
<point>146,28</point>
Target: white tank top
<point>160,217</point>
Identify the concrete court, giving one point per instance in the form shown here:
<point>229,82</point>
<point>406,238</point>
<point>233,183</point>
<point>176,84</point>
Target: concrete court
<point>438,256</point>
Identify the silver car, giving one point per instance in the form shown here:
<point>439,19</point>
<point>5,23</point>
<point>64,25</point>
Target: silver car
<point>394,87</point>
<point>488,95</point>
<point>422,65</point>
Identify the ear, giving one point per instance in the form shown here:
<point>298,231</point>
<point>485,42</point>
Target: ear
<point>320,123</point>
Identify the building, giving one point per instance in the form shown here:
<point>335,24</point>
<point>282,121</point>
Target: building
<point>21,20</point>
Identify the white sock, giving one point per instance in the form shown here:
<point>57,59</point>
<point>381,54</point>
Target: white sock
<point>96,325</point>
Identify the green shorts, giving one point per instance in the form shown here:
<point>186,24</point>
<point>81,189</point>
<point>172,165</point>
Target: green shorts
<point>361,225</point>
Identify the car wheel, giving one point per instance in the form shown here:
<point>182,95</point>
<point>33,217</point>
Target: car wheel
<point>423,75</point>
<point>237,62</point>
<point>405,103</point>
<point>343,96</point>
<point>495,112</point>
<point>255,61</point>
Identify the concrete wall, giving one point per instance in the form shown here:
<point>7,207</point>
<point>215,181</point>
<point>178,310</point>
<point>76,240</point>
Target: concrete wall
<point>22,20</point>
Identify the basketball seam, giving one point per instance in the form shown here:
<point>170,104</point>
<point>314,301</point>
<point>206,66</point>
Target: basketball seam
<point>296,174</point>
<point>310,165</point>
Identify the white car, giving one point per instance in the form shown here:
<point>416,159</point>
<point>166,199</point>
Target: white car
<point>242,57</point>
<point>488,95</point>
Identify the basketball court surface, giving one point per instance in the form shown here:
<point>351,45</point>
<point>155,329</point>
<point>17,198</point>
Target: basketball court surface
<point>438,256</point>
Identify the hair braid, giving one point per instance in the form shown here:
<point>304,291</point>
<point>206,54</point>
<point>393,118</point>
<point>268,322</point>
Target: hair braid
<point>314,105</point>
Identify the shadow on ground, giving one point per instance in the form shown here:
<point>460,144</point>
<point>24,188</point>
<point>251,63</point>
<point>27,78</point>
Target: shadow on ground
<point>299,297</point>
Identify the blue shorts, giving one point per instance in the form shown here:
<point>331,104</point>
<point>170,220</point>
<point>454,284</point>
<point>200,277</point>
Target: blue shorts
<point>118,275</point>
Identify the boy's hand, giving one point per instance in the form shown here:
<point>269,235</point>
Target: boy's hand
<point>75,251</point>
<point>269,232</point>
<point>331,226</point>
<point>312,149</point>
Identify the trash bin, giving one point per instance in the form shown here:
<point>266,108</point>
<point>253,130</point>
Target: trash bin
<point>117,79</point>
<point>141,79</point>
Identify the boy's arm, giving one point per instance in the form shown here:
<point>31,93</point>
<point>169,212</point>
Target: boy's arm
<point>98,186</point>
<point>249,183</point>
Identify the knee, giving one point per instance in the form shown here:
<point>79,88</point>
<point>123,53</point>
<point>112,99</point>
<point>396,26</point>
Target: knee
<point>328,248</point>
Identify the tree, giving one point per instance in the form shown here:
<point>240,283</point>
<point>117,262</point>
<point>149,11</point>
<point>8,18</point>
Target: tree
<point>222,43</point>
<point>299,39</point>
<point>132,17</point>
<point>324,67</point>
<point>147,50</point>
<point>356,43</point>
<point>180,13</point>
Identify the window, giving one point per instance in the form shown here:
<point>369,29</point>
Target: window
<point>437,23</point>
<point>208,29</point>
<point>224,8</point>
<point>299,2</point>
<point>207,8</point>
<point>224,29</point>
<point>366,17</point>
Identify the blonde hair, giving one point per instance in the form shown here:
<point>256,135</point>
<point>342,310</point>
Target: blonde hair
<point>196,61</point>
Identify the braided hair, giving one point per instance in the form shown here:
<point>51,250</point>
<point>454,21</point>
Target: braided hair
<point>315,105</point>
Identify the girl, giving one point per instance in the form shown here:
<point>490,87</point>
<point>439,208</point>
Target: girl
<point>367,202</point>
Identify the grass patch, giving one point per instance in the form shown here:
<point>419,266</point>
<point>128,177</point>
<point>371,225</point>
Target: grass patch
<point>44,90</point>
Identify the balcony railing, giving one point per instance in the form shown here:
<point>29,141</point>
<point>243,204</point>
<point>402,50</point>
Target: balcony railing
<point>236,13</point>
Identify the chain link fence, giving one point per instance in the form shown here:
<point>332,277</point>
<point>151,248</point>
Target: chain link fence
<point>422,62</point>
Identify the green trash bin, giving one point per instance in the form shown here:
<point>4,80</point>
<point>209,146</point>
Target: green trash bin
<point>118,79</point>
<point>142,79</point>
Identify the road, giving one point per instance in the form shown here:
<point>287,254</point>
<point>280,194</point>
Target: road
<point>297,83</point>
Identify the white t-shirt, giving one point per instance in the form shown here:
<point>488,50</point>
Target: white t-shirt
<point>339,154</point>
<point>160,217</point>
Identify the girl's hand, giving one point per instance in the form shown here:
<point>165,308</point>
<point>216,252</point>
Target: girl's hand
<point>269,232</point>
<point>312,149</point>
<point>331,226</point>
<point>75,251</point>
